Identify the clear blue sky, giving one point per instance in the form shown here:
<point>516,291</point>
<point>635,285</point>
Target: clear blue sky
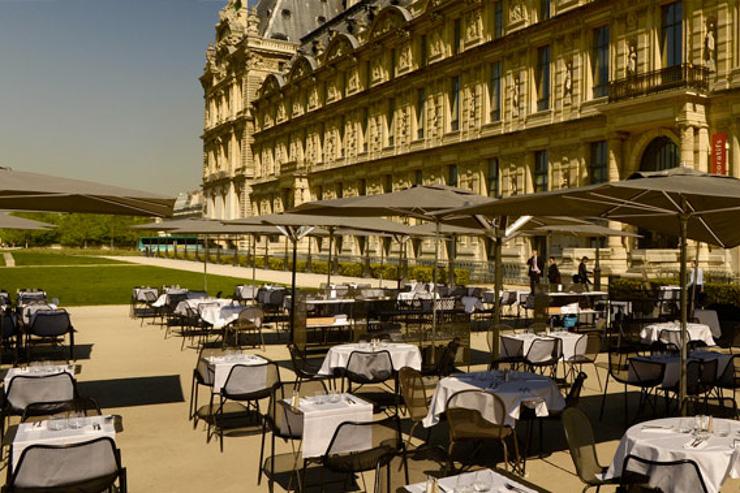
<point>106,90</point>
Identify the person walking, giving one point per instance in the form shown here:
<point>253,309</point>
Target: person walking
<point>553,273</point>
<point>534,270</point>
<point>696,284</point>
<point>583,272</point>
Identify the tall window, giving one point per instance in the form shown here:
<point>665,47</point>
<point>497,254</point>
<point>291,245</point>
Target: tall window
<point>418,177</point>
<point>392,65</point>
<point>457,36</point>
<point>388,184</point>
<point>390,121</point>
<point>365,122</point>
<point>362,187</point>
<point>455,104</point>
<point>368,75</point>
<point>492,178</point>
<point>423,54</point>
<point>498,19</point>
<point>452,175</point>
<point>600,61</point>
<point>320,193</point>
<point>544,10</point>
<point>543,78</point>
<point>421,98</point>
<point>540,171</point>
<point>671,36</point>
<point>339,190</point>
<point>494,92</point>
<point>599,165</point>
<point>342,124</point>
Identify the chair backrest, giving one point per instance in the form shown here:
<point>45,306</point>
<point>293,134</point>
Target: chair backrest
<point>730,378</point>
<point>664,476</point>
<point>251,381</point>
<point>8,327</point>
<point>50,323</point>
<point>472,408</point>
<point>574,394</point>
<point>206,305</point>
<point>94,463</point>
<point>28,389</point>
<point>359,447</point>
<point>647,372</point>
<point>619,363</point>
<point>414,393</point>
<point>205,371</point>
<point>25,297</point>
<point>593,345</point>
<point>710,318</point>
<point>252,315</point>
<point>446,361</point>
<point>670,337</point>
<point>369,367</point>
<point>512,346</point>
<point>538,328</point>
<point>544,351</point>
<point>701,376</point>
<point>502,328</point>
<point>300,365</point>
<point>580,437</point>
<point>82,406</point>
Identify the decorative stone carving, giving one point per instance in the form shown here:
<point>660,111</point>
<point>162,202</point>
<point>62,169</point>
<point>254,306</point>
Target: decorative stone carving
<point>474,25</point>
<point>515,96</point>
<point>710,45</point>
<point>632,59</point>
<point>404,58</point>
<point>353,83</point>
<point>313,97</point>
<point>436,44</point>
<point>517,12</point>
<point>631,20</point>
<point>376,69</point>
<point>404,124</point>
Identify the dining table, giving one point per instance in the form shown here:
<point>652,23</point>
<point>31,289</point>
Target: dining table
<point>60,431</point>
<point>221,366</point>
<point>402,354</point>
<point>672,362</point>
<point>484,480</point>
<point>514,388</point>
<point>519,344</point>
<point>216,312</point>
<point>715,452</point>
<point>671,332</point>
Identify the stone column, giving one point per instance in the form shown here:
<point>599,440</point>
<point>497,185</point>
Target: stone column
<point>687,145</point>
<point>617,260</point>
<point>702,148</point>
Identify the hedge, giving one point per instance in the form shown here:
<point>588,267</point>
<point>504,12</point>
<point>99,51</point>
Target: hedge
<point>633,289</point>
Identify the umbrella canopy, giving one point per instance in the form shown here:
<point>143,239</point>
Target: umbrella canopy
<point>20,190</point>
<point>448,230</point>
<point>645,199</point>
<point>679,201</point>
<point>418,201</point>
<point>12,222</point>
<point>289,220</point>
<point>585,230</point>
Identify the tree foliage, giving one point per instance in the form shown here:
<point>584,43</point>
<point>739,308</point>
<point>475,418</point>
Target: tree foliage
<point>77,230</point>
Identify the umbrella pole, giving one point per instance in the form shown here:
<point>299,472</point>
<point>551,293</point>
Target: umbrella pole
<point>382,254</point>
<point>498,286</point>
<point>205,267</point>
<point>329,267</point>
<point>597,267</point>
<point>293,287</point>
<point>267,252</point>
<point>254,258</point>
<point>692,301</point>
<point>451,261</point>
<point>683,226</point>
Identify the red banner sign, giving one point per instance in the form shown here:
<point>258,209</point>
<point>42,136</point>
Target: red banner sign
<point>719,153</point>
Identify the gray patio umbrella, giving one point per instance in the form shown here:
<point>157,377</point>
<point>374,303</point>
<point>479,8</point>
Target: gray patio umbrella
<point>679,201</point>
<point>20,223</point>
<point>297,226</point>
<point>20,190</point>
<point>585,231</point>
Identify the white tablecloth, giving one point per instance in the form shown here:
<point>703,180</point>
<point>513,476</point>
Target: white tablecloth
<point>401,355</point>
<point>36,371</point>
<point>673,364</point>
<point>521,387</point>
<point>218,316</point>
<point>717,460</point>
<point>697,332</point>
<point>222,365</point>
<point>321,418</point>
<point>164,298</point>
<point>29,434</point>
<point>495,481</point>
<point>471,303</point>
<point>568,339</point>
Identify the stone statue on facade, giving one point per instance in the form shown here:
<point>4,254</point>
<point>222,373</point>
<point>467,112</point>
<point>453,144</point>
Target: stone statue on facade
<point>710,46</point>
<point>568,81</point>
<point>632,60</point>
<point>515,97</point>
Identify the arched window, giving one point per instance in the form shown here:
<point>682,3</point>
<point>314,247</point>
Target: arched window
<point>662,153</point>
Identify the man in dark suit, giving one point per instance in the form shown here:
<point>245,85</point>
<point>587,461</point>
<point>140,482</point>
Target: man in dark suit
<point>535,265</point>
<point>553,273</point>
<point>583,272</point>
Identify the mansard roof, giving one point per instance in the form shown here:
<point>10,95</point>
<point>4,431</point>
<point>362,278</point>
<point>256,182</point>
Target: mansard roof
<point>292,19</point>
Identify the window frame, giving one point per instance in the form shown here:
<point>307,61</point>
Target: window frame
<point>454,102</point>
<point>493,177</point>
<point>600,61</point>
<point>420,113</point>
<point>494,92</point>
<point>671,34</point>
<point>543,78</point>
<point>541,171</point>
<point>598,170</point>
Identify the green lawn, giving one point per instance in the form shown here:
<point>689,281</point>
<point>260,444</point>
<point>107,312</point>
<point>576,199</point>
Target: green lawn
<point>50,257</point>
<point>106,284</point>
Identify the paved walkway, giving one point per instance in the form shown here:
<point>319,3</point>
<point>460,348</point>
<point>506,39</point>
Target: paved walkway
<point>303,280</point>
<point>9,260</point>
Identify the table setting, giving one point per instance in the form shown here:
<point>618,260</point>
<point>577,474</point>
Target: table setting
<point>218,316</point>
<point>481,481</point>
<point>61,431</point>
<point>402,354</point>
<point>514,388</point>
<point>509,347</point>
<point>317,417</point>
<point>697,332</point>
<point>712,443</point>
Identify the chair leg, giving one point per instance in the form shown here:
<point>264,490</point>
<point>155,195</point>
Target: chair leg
<point>598,377</point>
<point>193,399</point>
<point>262,450</point>
<point>603,397</point>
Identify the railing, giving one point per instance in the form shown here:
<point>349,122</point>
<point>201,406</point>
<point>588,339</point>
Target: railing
<point>684,76</point>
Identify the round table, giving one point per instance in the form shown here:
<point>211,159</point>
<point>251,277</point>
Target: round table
<point>662,440</point>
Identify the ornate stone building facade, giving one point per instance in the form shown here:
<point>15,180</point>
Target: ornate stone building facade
<point>501,97</point>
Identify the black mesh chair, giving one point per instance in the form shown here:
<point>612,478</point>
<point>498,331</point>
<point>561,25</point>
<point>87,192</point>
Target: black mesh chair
<point>87,467</point>
<point>511,355</point>
<point>587,350</point>
<point>618,370</point>
<point>730,380</point>
<point>648,376</point>
<point>543,355</point>
<point>285,422</point>
<point>476,415</point>
<point>203,376</point>
<point>303,368</point>
<point>642,476</point>
<point>246,385</point>
<point>249,323</point>
<point>445,362</point>
<point>372,368</point>
<point>79,406</point>
<point>50,326</point>
<point>361,447</point>
<point>701,378</point>
<point>10,333</point>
